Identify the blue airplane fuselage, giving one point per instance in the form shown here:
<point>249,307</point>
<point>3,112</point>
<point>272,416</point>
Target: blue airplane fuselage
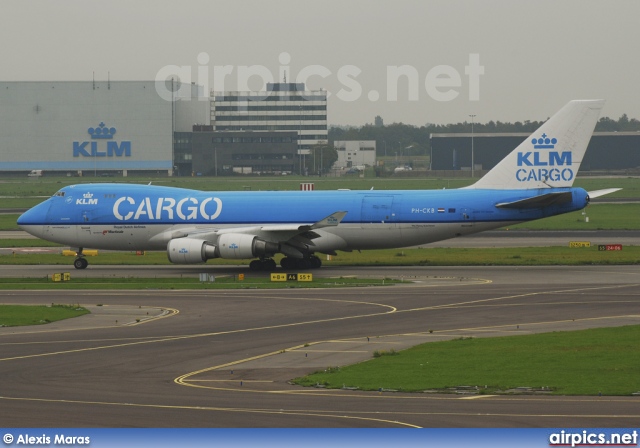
<point>136,216</point>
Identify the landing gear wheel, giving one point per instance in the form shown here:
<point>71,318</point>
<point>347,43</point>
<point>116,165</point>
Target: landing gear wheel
<point>80,263</point>
<point>266,264</point>
<point>315,262</point>
<point>311,262</point>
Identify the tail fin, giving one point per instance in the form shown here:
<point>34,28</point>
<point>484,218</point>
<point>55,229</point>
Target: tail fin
<point>551,156</point>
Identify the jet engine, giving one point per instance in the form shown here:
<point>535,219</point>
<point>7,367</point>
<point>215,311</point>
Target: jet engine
<point>240,245</point>
<point>229,245</point>
<point>190,250</point>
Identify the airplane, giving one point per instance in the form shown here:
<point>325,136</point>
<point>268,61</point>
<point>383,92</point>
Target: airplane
<point>534,181</point>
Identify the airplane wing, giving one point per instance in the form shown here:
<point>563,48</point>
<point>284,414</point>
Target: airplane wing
<point>273,233</point>
<point>330,221</point>
<point>294,238</point>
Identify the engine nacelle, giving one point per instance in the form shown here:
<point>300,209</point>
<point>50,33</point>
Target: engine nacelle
<point>190,251</point>
<point>240,245</point>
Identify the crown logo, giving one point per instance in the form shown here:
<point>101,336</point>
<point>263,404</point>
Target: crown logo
<point>101,132</point>
<point>87,195</point>
<point>544,142</point>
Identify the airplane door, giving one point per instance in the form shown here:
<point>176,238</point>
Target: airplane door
<point>467,217</point>
<point>87,216</point>
<point>84,229</point>
<point>377,209</point>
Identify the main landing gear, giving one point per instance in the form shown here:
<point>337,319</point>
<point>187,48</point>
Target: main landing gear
<point>310,262</point>
<point>264,264</point>
<point>80,262</point>
<point>267,264</point>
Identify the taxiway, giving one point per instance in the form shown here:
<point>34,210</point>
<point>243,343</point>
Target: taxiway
<point>160,358</point>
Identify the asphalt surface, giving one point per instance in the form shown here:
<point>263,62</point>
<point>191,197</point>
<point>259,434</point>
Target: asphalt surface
<point>224,358</point>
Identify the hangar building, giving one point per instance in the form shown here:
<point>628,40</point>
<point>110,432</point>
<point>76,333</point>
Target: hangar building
<point>353,153</point>
<point>607,151</point>
<point>85,126</point>
<point>137,127</point>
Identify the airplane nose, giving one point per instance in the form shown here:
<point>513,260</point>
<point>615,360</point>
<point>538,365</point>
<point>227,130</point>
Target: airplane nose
<point>23,219</point>
<point>30,217</point>
<point>33,220</point>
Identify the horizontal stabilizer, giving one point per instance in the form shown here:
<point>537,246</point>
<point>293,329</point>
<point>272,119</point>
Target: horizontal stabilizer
<point>542,200</point>
<point>598,193</point>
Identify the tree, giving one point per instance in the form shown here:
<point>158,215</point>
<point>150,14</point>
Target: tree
<point>412,140</point>
<point>322,158</point>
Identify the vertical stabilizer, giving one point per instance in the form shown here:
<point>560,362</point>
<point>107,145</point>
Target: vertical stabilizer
<point>551,156</point>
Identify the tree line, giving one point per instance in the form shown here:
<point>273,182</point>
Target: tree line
<point>410,140</point>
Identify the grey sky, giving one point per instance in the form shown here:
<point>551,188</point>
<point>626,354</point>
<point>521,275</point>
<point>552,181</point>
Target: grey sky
<point>536,55</point>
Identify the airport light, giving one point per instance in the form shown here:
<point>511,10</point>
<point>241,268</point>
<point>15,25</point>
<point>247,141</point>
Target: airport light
<point>473,163</point>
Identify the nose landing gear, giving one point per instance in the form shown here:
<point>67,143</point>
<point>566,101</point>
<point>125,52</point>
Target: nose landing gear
<point>80,262</point>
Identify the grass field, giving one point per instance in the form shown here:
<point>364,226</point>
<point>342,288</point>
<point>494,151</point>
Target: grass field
<point>516,256</point>
<point>20,315</point>
<point>601,217</point>
<point>27,242</point>
<point>190,282</point>
<point>509,256</point>
<point>587,362</point>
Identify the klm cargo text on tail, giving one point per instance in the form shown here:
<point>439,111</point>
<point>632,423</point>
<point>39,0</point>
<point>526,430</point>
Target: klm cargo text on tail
<point>554,160</point>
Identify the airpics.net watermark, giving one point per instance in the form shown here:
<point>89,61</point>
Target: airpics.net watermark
<point>441,82</point>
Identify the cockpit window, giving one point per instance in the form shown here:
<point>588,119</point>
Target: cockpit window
<point>59,194</point>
